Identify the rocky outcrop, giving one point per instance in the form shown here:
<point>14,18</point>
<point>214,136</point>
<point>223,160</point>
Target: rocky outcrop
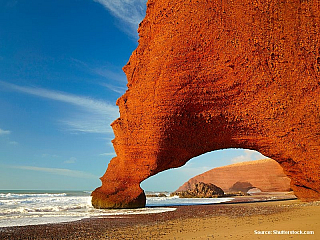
<point>266,175</point>
<point>201,190</point>
<point>211,75</point>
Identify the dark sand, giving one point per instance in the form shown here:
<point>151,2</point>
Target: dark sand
<point>219,221</point>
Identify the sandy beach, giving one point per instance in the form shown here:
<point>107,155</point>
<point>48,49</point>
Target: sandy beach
<point>240,220</point>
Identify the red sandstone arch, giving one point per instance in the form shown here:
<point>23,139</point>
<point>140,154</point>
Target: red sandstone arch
<point>210,75</point>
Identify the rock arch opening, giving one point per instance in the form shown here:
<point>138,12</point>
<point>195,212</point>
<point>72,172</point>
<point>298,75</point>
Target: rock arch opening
<point>241,187</point>
<point>235,171</point>
<point>171,179</point>
<point>210,75</point>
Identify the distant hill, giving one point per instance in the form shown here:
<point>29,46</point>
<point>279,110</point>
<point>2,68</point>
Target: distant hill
<point>266,175</point>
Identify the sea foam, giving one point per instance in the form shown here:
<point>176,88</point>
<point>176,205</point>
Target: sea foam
<point>32,208</point>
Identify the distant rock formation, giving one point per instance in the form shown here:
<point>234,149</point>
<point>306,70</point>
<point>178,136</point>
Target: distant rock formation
<point>266,175</point>
<point>211,75</point>
<point>159,195</point>
<point>201,190</point>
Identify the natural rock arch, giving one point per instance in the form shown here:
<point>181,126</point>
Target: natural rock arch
<point>241,186</point>
<point>210,75</point>
<point>265,174</point>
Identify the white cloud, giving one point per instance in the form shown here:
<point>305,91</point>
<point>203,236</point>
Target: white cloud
<point>4,132</point>
<point>80,101</point>
<point>107,154</point>
<point>110,74</point>
<point>96,115</point>
<point>108,71</point>
<point>131,12</point>
<point>116,89</point>
<point>97,124</point>
<point>71,160</point>
<point>249,155</point>
<point>57,171</point>
<point>13,143</point>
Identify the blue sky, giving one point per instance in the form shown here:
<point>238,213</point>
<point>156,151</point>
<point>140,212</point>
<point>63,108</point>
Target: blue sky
<point>60,76</point>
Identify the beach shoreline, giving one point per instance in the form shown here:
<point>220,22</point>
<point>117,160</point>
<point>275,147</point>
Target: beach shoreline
<point>237,220</point>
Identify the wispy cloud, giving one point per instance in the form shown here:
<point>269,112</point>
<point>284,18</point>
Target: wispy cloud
<point>13,143</point>
<point>89,124</point>
<point>96,115</point>
<point>57,171</point>
<point>249,155</point>
<point>107,71</point>
<point>113,75</point>
<point>71,160</point>
<point>4,132</point>
<point>116,89</point>
<point>129,11</point>
<point>81,101</point>
<point>108,154</point>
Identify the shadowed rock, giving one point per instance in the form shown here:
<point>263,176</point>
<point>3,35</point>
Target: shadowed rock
<point>241,187</point>
<point>211,75</point>
<point>201,190</point>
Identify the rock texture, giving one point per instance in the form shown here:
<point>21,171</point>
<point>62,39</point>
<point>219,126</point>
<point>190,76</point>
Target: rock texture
<point>211,75</point>
<point>266,174</point>
<point>200,190</point>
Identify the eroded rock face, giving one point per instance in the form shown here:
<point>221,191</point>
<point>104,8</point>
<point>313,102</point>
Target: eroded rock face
<point>201,190</point>
<point>266,174</point>
<point>211,75</point>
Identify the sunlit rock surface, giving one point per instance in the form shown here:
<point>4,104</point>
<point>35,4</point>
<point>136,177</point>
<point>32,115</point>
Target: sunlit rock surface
<point>211,75</point>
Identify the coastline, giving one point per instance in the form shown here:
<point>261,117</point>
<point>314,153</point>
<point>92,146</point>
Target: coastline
<point>237,220</point>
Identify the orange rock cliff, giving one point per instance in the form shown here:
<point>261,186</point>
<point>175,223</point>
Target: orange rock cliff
<point>211,75</point>
<point>266,174</point>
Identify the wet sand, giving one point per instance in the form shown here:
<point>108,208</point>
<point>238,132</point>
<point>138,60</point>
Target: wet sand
<point>237,220</point>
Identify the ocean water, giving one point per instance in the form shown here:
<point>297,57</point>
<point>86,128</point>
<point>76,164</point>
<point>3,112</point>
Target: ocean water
<point>19,208</point>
